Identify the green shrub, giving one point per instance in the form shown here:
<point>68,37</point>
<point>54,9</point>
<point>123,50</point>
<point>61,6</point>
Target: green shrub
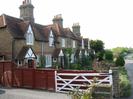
<point>125,85</point>
<point>76,67</point>
<point>120,61</point>
<point>42,61</point>
<point>108,55</point>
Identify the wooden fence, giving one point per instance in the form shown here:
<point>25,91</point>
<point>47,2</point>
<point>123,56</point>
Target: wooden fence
<point>49,79</point>
<point>11,76</point>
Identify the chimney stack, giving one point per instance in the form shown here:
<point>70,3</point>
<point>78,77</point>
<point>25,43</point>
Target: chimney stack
<point>26,11</point>
<point>58,20</point>
<point>76,29</point>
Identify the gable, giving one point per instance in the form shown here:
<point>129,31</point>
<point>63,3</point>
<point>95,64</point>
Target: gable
<point>26,52</point>
<point>30,54</point>
<point>30,29</point>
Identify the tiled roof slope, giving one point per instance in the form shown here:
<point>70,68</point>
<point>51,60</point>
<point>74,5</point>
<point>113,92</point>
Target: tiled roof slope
<point>18,27</point>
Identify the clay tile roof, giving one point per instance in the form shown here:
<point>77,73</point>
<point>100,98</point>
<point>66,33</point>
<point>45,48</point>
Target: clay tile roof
<point>70,34</point>
<point>18,27</point>
<point>56,52</point>
<point>14,27</point>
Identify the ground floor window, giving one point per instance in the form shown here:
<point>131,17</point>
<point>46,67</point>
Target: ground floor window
<point>2,58</point>
<point>48,60</point>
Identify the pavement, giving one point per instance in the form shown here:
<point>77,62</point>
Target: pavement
<point>30,94</point>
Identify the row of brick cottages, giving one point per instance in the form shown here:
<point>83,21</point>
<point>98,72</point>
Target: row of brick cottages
<point>24,41</point>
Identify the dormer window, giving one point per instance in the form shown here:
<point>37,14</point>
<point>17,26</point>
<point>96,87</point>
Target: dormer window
<point>74,44</point>
<point>51,39</point>
<point>82,44</point>
<point>62,42</point>
<point>29,36</point>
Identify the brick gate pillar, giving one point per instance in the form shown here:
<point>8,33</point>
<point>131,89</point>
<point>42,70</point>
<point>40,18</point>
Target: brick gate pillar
<point>116,86</point>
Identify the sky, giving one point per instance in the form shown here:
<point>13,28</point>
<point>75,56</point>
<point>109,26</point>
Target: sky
<point>108,20</point>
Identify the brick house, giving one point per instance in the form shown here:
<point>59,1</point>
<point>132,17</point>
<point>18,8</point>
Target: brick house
<point>24,41</point>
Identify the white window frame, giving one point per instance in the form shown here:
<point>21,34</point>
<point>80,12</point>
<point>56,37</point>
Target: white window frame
<point>51,39</point>
<point>72,58</point>
<point>29,36</point>
<point>63,42</point>
<point>74,44</point>
<point>83,44</point>
<point>48,58</point>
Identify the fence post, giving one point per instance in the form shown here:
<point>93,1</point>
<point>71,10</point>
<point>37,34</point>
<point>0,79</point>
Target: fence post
<point>111,83</point>
<point>12,74</point>
<point>55,81</point>
<point>110,77</point>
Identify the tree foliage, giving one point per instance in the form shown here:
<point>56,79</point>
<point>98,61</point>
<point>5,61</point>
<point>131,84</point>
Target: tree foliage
<point>97,45</point>
<point>108,55</point>
<point>120,51</point>
<point>120,61</point>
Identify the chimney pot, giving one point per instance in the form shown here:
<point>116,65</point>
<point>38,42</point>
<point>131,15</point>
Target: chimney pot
<point>23,2</point>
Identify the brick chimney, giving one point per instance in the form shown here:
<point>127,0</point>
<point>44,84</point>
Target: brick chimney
<point>76,29</point>
<point>26,11</point>
<point>58,20</point>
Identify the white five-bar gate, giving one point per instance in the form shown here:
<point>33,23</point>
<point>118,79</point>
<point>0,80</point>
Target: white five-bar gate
<point>66,82</point>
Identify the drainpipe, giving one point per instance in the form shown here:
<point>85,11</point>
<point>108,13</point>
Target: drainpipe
<point>13,59</point>
<point>13,48</point>
<point>42,48</point>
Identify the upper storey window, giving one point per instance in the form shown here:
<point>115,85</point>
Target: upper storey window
<point>51,39</point>
<point>62,42</point>
<point>74,44</point>
<point>29,36</point>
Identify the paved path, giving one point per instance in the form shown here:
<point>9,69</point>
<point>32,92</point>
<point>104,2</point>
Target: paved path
<point>30,94</point>
<point>129,67</point>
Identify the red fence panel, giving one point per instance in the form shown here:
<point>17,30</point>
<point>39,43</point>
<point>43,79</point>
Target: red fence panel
<point>51,79</point>
<point>17,77</point>
<point>28,78</point>
<point>6,73</point>
<point>40,79</point>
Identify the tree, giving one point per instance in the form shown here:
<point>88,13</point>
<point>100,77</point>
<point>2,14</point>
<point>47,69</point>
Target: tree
<point>120,61</point>
<point>98,47</point>
<point>108,55</point>
<point>120,51</point>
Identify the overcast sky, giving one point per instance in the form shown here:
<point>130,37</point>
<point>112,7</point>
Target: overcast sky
<point>108,20</point>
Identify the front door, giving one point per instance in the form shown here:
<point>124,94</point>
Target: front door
<point>30,63</point>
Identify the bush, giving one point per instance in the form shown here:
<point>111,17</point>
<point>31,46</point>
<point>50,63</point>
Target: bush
<point>120,61</point>
<point>108,55</point>
<point>42,61</point>
<point>76,67</point>
<point>125,85</point>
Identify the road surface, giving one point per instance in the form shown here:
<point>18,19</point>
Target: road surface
<point>30,94</point>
